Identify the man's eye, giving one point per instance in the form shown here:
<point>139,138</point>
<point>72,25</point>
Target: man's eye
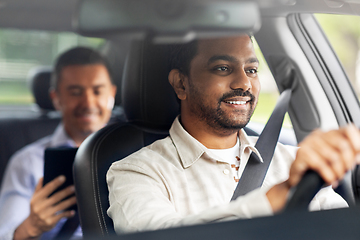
<point>252,71</point>
<point>98,91</point>
<point>222,69</point>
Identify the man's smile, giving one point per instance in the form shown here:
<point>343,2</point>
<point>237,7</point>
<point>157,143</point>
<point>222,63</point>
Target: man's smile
<point>236,102</point>
<point>87,114</point>
<point>239,102</point>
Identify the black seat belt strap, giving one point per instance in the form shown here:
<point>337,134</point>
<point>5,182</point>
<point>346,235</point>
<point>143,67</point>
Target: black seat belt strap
<point>255,171</point>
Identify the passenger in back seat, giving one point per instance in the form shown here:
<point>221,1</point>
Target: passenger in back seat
<point>82,89</point>
<point>190,176</point>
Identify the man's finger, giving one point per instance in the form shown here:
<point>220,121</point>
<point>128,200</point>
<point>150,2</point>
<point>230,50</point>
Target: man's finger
<point>51,186</point>
<point>40,201</point>
<point>52,211</point>
<point>66,214</point>
<point>65,204</point>
<point>346,150</point>
<point>308,158</point>
<point>332,155</point>
<point>347,143</point>
<point>59,196</point>
<point>39,185</point>
<point>353,134</point>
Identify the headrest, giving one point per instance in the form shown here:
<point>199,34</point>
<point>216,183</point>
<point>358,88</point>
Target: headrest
<point>39,82</point>
<point>115,53</point>
<point>147,96</point>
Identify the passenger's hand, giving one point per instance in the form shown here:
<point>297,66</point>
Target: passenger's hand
<point>331,154</point>
<point>45,211</point>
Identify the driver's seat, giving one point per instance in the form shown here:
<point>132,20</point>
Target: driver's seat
<point>150,106</point>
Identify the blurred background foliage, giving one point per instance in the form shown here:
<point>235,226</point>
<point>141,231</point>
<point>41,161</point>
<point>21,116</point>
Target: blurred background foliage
<point>20,51</point>
<point>343,32</point>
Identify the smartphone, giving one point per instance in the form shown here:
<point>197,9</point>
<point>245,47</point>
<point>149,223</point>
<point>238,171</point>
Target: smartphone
<point>59,161</point>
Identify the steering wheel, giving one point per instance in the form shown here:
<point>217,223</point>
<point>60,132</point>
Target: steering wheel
<point>311,183</point>
<point>304,192</point>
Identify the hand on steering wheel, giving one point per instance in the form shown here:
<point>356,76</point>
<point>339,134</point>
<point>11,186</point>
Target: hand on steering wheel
<point>336,151</point>
<point>304,192</point>
<point>323,157</point>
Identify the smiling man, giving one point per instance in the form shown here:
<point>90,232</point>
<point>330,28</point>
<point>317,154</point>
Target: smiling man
<point>82,90</point>
<point>190,176</point>
<point>221,91</point>
<point>84,95</point>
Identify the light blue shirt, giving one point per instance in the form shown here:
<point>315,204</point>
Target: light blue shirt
<point>23,172</point>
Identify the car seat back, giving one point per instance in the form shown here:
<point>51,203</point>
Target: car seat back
<point>18,131</point>
<point>150,107</point>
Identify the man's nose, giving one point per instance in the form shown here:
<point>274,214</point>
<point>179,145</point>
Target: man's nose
<point>241,81</point>
<point>88,99</point>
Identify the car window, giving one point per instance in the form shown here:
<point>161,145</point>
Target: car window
<point>343,33</point>
<point>20,51</point>
<point>269,92</point>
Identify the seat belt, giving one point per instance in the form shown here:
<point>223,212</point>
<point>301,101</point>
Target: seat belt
<point>255,171</point>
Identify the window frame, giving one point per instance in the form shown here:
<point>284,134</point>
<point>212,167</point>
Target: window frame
<point>327,67</point>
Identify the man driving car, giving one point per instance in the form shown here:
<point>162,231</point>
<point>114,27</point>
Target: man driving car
<point>83,91</point>
<point>190,176</point>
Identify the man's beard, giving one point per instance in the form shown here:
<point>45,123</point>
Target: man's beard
<point>217,118</point>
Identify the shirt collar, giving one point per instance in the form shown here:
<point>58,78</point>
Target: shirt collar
<point>248,142</point>
<point>60,138</point>
<point>190,149</point>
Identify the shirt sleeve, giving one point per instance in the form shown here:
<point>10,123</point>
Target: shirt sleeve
<point>17,189</point>
<point>139,201</point>
<point>327,199</point>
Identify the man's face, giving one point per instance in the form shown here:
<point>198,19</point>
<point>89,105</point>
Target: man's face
<point>85,97</point>
<point>223,84</point>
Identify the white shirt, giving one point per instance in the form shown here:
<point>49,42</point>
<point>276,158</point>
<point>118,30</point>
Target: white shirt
<point>176,181</point>
<point>23,172</point>
<point>232,156</point>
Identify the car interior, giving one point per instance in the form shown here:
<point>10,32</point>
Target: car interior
<point>28,129</point>
<point>294,46</point>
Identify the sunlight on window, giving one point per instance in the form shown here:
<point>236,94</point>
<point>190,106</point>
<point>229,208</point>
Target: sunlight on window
<point>20,51</point>
<point>343,32</point>
<point>268,94</point>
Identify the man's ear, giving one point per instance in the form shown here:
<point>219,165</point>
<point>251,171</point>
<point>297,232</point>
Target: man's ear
<point>55,99</point>
<point>113,90</point>
<point>177,81</point>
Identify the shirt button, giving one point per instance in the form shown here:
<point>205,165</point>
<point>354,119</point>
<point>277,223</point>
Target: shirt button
<point>226,171</point>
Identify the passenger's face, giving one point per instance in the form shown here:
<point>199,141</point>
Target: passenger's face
<point>85,95</point>
<point>223,84</point>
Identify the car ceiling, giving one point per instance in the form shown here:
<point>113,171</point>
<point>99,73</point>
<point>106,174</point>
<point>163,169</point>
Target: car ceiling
<point>57,15</point>
<point>285,7</point>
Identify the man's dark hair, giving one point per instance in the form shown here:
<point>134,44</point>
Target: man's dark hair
<point>77,56</point>
<point>181,56</point>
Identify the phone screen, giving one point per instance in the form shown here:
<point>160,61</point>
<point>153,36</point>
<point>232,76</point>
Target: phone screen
<point>59,161</point>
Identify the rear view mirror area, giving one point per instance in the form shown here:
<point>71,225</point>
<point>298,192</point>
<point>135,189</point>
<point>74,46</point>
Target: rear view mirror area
<point>166,21</point>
